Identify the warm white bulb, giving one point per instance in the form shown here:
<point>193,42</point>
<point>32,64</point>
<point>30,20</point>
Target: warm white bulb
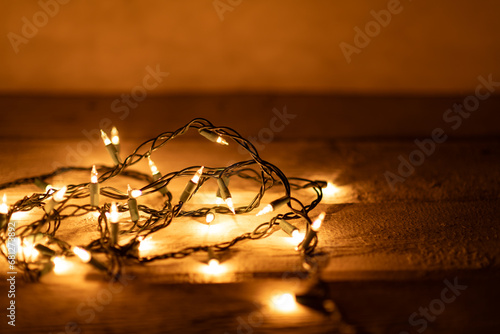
<point>222,141</point>
<point>82,254</point>
<point>297,237</point>
<point>219,200</point>
<point>115,139</point>
<point>213,263</point>
<point>105,138</point>
<point>152,167</point>
<point>4,208</point>
<point>93,175</point>
<point>268,208</point>
<point>229,203</point>
<point>317,223</point>
<point>209,217</point>
<point>59,195</point>
<point>284,302</point>
<point>196,177</point>
<point>61,265</point>
<point>330,189</point>
<point>113,215</point>
<point>136,193</point>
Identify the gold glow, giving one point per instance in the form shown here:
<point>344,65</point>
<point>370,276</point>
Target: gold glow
<point>284,303</point>
<point>4,208</point>
<point>197,175</point>
<point>82,254</point>
<point>61,265</point>
<point>93,175</point>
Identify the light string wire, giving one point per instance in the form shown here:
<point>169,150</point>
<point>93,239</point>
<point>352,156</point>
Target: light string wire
<point>256,169</point>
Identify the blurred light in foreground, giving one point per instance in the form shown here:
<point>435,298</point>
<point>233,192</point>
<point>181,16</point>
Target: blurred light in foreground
<point>61,265</point>
<point>284,302</point>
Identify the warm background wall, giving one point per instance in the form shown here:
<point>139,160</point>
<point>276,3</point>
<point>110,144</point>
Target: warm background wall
<point>103,47</point>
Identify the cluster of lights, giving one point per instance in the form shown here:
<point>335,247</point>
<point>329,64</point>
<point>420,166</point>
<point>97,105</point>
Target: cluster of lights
<point>52,198</point>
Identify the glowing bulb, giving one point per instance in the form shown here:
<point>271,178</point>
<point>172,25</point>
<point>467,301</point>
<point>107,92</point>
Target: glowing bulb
<point>4,208</point>
<point>152,167</point>
<point>221,141</point>
<point>113,215</point>
<point>61,265</point>
<point>93,175</point>
<point>59,195</point>
<point>268,208</point>
<point>135,193</point>
<point>82,254</point>
<point>212,136</point>
<point>196,177</point>
<point>274,205</point>
<point>213,264</point>
<point>145,244</point>
<point>317,223</point>
<point>229,203</point>
<point>219,200</point>
<point>105,138</point>
<point>284,302</point>
<point>330,189</point>
<point>210,216</point>
<point>297,237</point>
<point>115,139</point>
<point>48,187</point>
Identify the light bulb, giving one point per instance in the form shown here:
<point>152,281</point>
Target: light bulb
<point>94,187</point>
<point>59,195</point>
<point>277,203</point>
<point>330,189</point>
<point>4,208</point>
<point>268,208</point>
<point>284,302</point>
<point>105,138</point>
<point>210,216</point>
<point>229,203</point>
<point>115,138</point>
<point>212,136</point>
<point>94,175</point>
<point>317,223</point>
<point>82,254</point>
<point>113,214</point>
<point>219,200</point>
<point>152,167</point>
<point>112,149</point>
<point>191,186</point>
<point>297,237</point>
<point>221,141</point>
<point>196,177</point>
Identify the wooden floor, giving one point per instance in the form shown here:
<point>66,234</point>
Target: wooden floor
<point>384,256</point>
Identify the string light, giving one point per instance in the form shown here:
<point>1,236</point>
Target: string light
<point>191,186</point>
<point>4,211</point>
<point>156,175</point>
<point>113,152</point>
<point>276,204</point>
<point>113,226</point>
<point>56,198</point>
<point>94,187</point>
<point>225,194</point>
<point>33,259</point>
<point>212,136</point>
